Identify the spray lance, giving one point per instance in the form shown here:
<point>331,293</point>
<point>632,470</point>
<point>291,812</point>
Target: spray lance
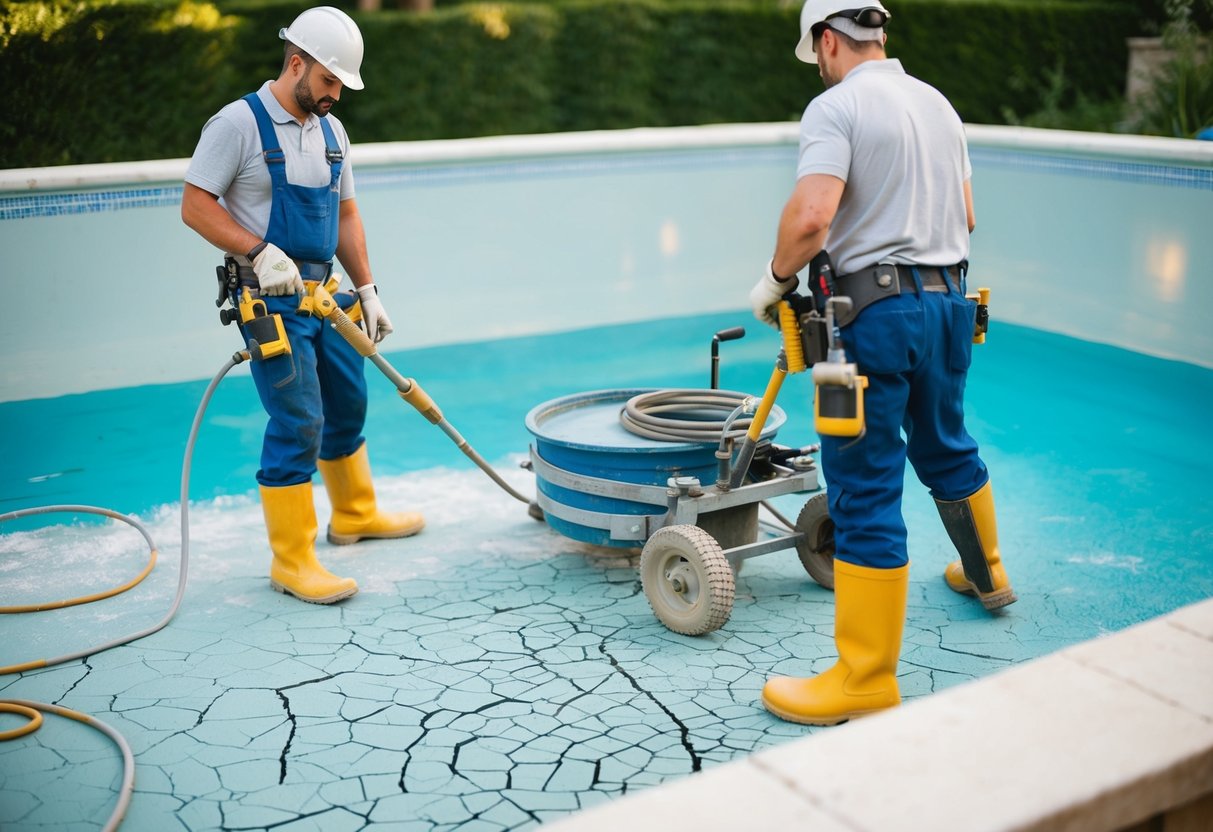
<point>319,303</point>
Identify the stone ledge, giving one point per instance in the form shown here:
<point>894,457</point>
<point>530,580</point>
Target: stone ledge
<point>1100,736</point>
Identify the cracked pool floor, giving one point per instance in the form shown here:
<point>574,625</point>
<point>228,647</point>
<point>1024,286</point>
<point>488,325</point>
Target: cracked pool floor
<point>489,675</point>
<point>492,674</point>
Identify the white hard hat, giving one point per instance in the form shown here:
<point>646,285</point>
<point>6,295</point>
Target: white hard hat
<point>859,21</point>
<point>331,37</point>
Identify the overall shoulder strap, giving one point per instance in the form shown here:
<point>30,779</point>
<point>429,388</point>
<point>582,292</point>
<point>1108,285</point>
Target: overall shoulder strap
<point>332,150</point>
<point>271,149</point>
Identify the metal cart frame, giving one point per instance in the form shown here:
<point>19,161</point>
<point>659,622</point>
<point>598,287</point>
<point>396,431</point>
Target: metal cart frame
<point>688,576</point>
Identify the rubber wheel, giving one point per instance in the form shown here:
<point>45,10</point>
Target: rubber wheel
<point>817,549</point>
<point>687,579</point>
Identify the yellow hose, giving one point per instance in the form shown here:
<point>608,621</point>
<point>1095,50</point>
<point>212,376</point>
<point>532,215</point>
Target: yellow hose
<point>32,710</point>
<point>33,714</point>
<point>84,599</point>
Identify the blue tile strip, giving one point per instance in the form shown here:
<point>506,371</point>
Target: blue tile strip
<point>28,206</point>
<point>1149,173</point>
<point>87,202</point>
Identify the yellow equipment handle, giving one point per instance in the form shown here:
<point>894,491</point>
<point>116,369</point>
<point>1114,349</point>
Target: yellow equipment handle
<point>793,343</point>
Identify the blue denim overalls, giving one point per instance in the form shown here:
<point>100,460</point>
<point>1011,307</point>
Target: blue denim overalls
<point>316,396</point>
<point>915,349</point>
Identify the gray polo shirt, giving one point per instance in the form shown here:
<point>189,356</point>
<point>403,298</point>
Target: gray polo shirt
<point>900,147</point>
<point>228,161</point>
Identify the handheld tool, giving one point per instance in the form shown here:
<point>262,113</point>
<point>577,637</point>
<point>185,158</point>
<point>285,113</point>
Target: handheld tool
<point>838,405</point>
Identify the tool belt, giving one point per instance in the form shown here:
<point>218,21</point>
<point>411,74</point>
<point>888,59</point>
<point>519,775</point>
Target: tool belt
<point>885,280</point>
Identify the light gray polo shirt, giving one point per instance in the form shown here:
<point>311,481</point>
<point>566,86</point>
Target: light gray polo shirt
<point>900,147</point>
<point>228,162</point>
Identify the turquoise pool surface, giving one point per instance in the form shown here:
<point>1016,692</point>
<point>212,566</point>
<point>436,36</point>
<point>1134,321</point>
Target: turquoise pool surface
<point>492,674</point>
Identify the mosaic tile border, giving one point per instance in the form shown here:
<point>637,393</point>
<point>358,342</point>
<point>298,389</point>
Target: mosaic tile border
<point>28,206</point>
<point>1150,173</point>
<point>40,205</point>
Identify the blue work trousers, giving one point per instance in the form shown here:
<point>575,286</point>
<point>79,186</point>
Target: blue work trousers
<point>315,397</point>
<point>915,350</point>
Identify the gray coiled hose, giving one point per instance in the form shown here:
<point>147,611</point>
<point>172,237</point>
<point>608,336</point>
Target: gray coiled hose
<point>688,415</point>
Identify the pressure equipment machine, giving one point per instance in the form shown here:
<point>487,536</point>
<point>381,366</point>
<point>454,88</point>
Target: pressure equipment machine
<point>650,469</point>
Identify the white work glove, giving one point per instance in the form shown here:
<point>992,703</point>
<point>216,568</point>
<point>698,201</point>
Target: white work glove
<point>767,293</point>
<point>277,274</point>
<point>378,325</point>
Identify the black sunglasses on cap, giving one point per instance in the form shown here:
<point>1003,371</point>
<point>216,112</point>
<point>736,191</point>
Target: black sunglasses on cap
<point>869,17</point>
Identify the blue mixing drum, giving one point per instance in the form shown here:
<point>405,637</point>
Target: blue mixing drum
<point>582,434</point>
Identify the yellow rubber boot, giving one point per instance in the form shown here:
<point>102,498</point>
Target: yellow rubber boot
<point>974,531</point>
<point>869,612</point>
<point>355,513</point>
<point>290,519</point>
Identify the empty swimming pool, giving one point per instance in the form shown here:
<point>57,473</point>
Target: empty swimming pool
<point>493,674</point>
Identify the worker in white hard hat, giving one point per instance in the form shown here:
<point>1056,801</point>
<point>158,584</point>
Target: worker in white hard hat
<point>272,186</point>
<point>881,214</point>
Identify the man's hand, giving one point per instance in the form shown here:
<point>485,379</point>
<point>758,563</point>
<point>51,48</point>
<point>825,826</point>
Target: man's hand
<point>767,293</point>
<point>277,274</point>
<point>378,324</point>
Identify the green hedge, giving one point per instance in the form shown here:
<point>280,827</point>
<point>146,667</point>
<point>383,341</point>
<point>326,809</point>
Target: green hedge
<point>115,80</point>
<point>107,83</point>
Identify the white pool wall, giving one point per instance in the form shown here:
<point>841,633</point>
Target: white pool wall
<point>1105,238</point>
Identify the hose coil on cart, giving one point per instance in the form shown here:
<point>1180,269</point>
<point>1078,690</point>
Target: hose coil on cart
<point>687,578</point>
<point>684,415</point>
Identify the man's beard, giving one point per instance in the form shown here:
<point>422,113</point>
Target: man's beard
<point>306,102</point>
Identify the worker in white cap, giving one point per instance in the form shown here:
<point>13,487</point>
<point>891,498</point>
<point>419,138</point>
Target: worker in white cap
<point>881,213</point>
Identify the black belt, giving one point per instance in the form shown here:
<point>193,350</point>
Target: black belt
<point>867,286</point>
<point>308,269</point>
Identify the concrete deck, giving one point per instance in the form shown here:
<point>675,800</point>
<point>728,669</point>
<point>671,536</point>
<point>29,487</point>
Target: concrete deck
<point>1100,736</point>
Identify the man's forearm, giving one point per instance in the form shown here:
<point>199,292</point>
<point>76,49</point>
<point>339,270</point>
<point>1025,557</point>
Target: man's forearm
<point>201,211</point>
<point>351,245</point>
